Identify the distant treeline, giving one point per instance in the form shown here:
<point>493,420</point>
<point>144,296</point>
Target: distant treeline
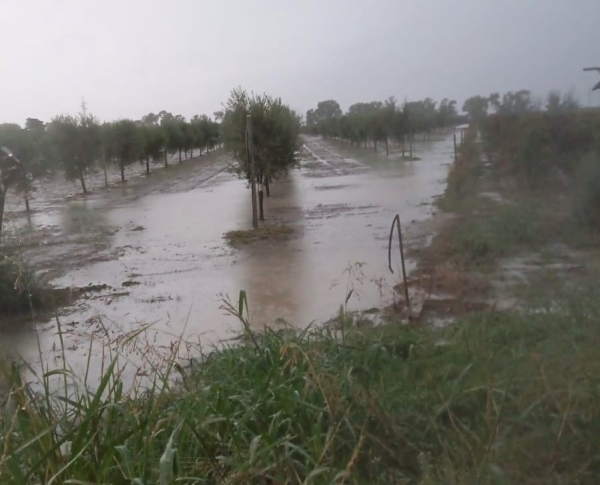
<point>379,122</point>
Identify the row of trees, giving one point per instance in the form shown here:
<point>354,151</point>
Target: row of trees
<point>78,144</point>
<point>535,142</point>
<point>517,103</point>
<point>378,122</point>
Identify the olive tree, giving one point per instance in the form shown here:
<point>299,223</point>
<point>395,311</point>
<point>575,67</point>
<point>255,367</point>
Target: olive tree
<point>275,136</point>
<point>76,143</point>
<point>124,144</point>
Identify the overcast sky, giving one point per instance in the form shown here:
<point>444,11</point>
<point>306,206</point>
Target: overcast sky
<point>131,57</point>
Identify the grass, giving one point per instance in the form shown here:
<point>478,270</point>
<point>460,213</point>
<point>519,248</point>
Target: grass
<point>270,232</point>
<point>494,398</point>
<point>502,230</point>
<point>20,291</point>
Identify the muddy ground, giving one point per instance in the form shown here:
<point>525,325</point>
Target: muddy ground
<point>151,251</point>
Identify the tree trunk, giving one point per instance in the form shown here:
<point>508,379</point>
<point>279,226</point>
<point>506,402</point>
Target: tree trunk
<point>403,145</point>
<point>122,173</point>
<point>267,187</point>
<point>26,197</point>
<point>148,165</point>
<point>105,175</point>
<point>261,212</point>
<point>387,148</point>
<point>82,180</point>
<point>410,142</point>
<point>186,154</point>
<point>2,199</point>
<point>180,155</point>
<point>166,162</point>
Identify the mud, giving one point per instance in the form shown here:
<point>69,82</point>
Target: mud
<point>153,248</point>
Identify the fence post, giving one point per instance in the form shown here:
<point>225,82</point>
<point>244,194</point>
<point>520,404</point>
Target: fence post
<point>455,151</point>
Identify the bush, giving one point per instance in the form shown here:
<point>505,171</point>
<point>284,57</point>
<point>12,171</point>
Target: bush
<point>534,146</point>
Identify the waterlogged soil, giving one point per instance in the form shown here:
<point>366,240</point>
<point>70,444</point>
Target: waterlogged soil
<point>151,251</point>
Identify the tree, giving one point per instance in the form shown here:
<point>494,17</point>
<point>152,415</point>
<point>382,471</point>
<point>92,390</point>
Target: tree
<point>518,102</point>
<point>556,103</point>
<point>124,144</point>
<point>476,107</point>
<point>76,143</point>
<point>152,140</point>
<point>323,118</point>
<point>446,113</point>
<point>173,132</point>
<point>275,130</point>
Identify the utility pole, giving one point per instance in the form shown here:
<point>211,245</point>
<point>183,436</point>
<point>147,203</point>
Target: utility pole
<point>250,156</point>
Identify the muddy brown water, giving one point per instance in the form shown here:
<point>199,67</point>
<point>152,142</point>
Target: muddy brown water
<point>157,244</point>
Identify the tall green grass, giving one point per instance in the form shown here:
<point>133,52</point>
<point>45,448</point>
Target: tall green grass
<point>495,398</point>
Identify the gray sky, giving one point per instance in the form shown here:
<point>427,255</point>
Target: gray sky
<point>130,57</point>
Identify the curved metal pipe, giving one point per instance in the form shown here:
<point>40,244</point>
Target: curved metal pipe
<point>396,221</point>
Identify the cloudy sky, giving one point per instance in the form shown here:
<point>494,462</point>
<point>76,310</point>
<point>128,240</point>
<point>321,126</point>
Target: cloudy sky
<point>130,57</point>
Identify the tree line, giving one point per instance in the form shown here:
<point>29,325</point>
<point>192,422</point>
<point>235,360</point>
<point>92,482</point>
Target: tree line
<point>77,144</point>
<point>367,124</point>
<point>545,145</point>
<point>518,103</point>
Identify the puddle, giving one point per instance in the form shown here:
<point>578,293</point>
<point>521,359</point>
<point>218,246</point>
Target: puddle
<point>156,243</point>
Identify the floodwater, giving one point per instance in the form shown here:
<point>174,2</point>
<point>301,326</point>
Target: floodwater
<point>157,244</point>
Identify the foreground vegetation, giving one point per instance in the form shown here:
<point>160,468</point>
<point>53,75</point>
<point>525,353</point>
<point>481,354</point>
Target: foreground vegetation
<point>493,398</point>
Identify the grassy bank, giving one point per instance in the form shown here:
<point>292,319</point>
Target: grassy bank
<point>494,398</point>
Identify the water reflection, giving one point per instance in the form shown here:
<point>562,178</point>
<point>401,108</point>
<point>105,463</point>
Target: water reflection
<point>274,272</point>
<point>83,217</point>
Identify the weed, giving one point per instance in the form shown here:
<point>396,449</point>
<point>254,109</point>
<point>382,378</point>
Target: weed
<point>271,232</point>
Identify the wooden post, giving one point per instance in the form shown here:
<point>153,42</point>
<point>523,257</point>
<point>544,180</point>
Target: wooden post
<point>261,211</point>
<point>455,152</point>
<point>252,170</point>
<point>403,145</point>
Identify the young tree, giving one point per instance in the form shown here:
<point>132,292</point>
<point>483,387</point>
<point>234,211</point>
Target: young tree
<point>125,144</point>
<point>172,129</point>
<point>275,130</point>
<point>76,143</point>
<point>152,140</point>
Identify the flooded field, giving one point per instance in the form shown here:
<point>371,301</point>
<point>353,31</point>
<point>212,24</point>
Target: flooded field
<point>154,253</point>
